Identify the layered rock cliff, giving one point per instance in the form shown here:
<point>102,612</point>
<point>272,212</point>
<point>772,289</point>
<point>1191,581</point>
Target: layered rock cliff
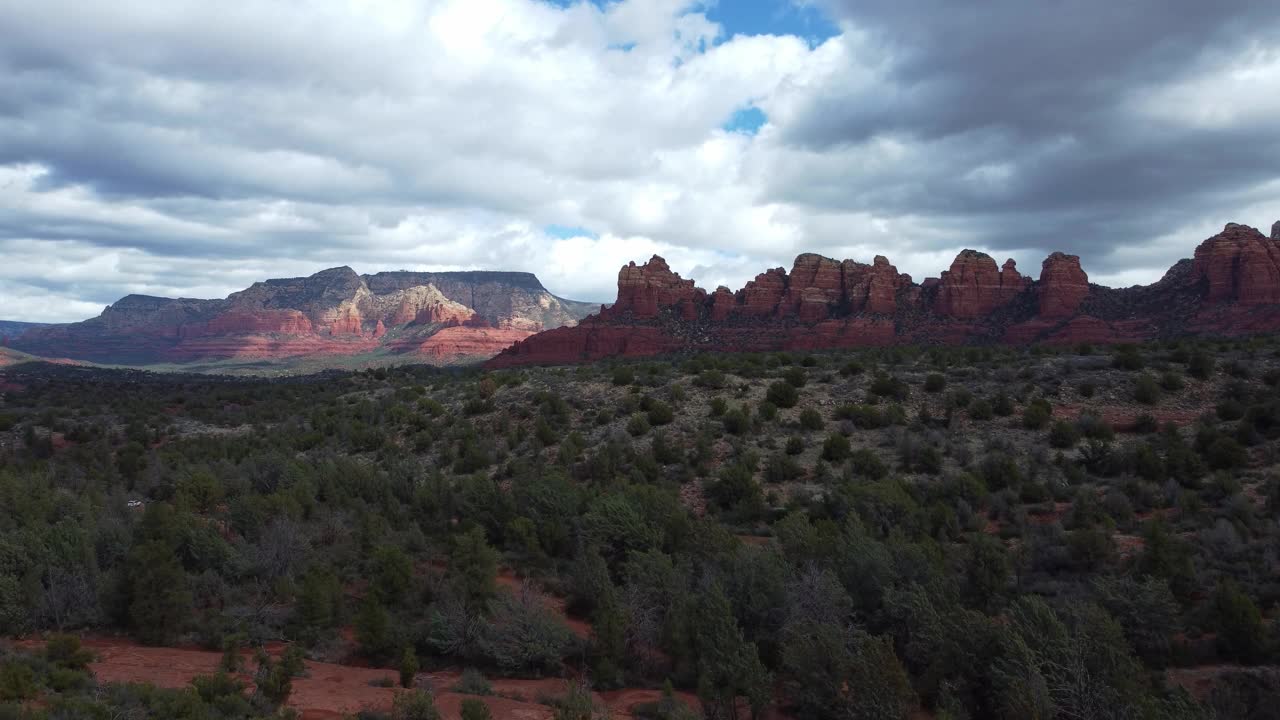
<point>431,317</point>
<point>1231,287</point>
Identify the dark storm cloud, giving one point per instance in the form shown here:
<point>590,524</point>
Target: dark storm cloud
<point>1046,95</point>
<point>1033,67</point>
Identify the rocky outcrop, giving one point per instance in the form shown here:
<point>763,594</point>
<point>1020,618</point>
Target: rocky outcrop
<point>1231,288</point>
<point>1063,286</point>
<point>974,287</point>
<point>643,289</point>
<point>1275,231</point>
<point>334,312</point>
<point>1240,266</point>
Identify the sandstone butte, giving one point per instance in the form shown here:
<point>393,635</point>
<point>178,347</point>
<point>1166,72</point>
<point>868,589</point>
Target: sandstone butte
<point>1230,288</point>
<point>438,318</point>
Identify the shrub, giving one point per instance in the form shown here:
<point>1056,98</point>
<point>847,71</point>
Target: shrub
<point>980,410</point>
<point>623,375</point>
<point>781,468</point>
<point>795,445</point>
<point>1002,405</point>
<point>851,368</point>
<point>416,705</point>
<point>1171,381</point>
<point>473,709</point>
<point>718,407</point>
<point>1225,453</point>
<point>660,413</point>
<point>794,377</point>
<point>17,682</point>
<point>408,668</point>
<point>1063,434</point>
<point>811,419</point>
<point>867,463</point>
<point>711,378</point>
<point>768,411</point>
<point>1146,390</point>
<point>1037,414</point>
<point>472,682</point>
<point>782,394</point>
<point>1200,365</point>
<point>835,448</point>
<point>1241,633</point>
<point>935,383</point>
<point>1127,357</point>
<point>736,421</point>
<point>638,425</point>
<point>1230,410</point>
<point>889,386</point>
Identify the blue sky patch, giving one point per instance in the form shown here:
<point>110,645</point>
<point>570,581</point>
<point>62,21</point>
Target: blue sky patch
<point>568,231</point>
<point>772,17</point>
<point>747,120</point>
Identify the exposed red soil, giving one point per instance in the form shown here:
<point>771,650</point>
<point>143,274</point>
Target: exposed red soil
<point>1123,418</point>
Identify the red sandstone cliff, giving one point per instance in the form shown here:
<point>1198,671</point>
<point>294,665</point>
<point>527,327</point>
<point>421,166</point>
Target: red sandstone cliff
<point>430,317</point>
<point>1232,287</point>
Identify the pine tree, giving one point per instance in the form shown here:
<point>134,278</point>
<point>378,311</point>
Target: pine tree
<point>408,668</point>
<point>473,569</point>
<point>159,600</point>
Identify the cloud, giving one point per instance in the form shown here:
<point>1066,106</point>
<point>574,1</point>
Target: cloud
<point>191,148</point>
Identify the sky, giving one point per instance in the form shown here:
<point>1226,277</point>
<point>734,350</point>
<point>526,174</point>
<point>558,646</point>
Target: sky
<point>189,148</point>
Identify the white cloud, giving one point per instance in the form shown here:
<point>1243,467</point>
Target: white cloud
<point>191,148</point>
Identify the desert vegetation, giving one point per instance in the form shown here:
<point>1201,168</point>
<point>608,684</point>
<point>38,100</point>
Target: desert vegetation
<point>1085,532</point>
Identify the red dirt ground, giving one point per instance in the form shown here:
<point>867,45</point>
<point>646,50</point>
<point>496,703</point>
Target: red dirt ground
<point>329,691</point>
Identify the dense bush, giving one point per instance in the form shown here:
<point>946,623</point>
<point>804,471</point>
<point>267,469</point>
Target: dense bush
<point>868,554</point>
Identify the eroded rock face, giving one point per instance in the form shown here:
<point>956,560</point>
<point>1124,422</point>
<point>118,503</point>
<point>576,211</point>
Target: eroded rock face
<point>974,287</point>
<point>643,289</point>
<point>1239,265</point>
<point>1275,231</point>
<point>334,312</point>
<point>1232,288</point>
<point>761,297</point>
<point>1063,286</point>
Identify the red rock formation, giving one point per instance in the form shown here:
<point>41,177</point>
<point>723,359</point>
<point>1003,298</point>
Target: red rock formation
<point>722,304</point>
<point>253,322</point>
<point>334,312</point>
<point>643,289</point>
<point>1233,287</point>
<point>973,287</point>
<point>1275,231</point>
<point>1063,286</point>
<point>461,344</point>
<point>873,288</point>
<point>815,283</point>
<point>760,297</point>
<point>1241,266</point>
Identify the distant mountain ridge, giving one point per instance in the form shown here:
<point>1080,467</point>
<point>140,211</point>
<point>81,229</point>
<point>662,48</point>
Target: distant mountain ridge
<point>1230,288</point>
<point>436,317</point>
<point>13,328</point>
